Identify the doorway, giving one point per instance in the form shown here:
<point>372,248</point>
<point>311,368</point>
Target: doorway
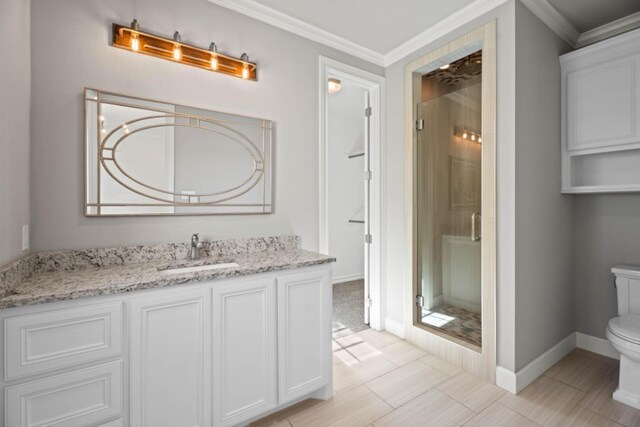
<point>351,118</point>
<point>450,147</point>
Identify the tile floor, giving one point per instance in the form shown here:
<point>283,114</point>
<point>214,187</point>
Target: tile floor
<point>380,380</point>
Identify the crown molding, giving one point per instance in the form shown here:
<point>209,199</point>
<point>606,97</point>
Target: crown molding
<point>609,30</point>
<point>554,20</point>
<point>285,22</point>
<point>442,28</point>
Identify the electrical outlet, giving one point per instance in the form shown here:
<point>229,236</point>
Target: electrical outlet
<point>25,238</point>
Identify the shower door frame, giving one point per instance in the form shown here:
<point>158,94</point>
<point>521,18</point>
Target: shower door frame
<point>481,361</point>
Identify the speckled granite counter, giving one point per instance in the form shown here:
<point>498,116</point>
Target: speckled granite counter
<point>56,276</point>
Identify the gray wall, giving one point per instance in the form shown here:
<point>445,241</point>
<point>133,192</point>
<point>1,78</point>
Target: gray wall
<point>606,233</point>
<point>395,244</point>
<point>544,288</point>
<point>287,93</point>
<point>15,94</point>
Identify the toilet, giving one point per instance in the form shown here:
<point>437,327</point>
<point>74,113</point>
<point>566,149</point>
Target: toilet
<point>623,332</point>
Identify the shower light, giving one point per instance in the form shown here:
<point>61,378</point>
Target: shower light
<point>468,135</point>
<point>334,85</point>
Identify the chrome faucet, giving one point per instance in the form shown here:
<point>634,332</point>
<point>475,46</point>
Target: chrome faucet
<point>196,245</point>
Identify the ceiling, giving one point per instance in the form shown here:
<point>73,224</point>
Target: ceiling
<point>586,15</point>
<point>380,28</point>
<point>384,31</point>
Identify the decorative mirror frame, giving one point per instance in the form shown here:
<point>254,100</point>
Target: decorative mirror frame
<point>101,160</point>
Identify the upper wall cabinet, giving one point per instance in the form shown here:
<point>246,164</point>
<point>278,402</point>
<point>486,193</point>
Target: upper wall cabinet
<point>601,117</point>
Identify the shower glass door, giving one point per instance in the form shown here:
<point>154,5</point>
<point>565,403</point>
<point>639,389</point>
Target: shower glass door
<point>449,203</point>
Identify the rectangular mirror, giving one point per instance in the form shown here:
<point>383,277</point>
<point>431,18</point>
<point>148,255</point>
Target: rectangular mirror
<point>146,157</point>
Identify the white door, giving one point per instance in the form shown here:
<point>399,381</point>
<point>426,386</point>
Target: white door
<point>304,333</point>
<point>171,360</point>
<point>367,205</point>
<point>244,350</point>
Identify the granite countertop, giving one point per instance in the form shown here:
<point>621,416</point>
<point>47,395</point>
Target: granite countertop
<point>65,281</point>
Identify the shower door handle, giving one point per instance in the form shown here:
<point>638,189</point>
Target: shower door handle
<point>475,227</point>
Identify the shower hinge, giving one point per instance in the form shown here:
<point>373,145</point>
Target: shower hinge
<point>368,302</point>
<point>367,112</point>
<point>367,238</point>
<point>419,300</point>
<point>420,124</point>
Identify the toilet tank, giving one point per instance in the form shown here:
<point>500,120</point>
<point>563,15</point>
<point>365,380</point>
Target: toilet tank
<point>628,287</point>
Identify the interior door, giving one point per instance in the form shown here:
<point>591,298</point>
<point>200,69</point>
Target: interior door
<point>367,211</point>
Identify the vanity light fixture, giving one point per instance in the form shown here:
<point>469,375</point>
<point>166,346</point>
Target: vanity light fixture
<point>245,66</point>
<point>214,56</point>
<point>133,39</point>
<point>333,85</point>
<point>468,135</point>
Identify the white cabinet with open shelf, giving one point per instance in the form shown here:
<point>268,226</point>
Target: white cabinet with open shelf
<point>601,117</point>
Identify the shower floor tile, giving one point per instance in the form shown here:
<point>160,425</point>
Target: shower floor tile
<point>455,321</point>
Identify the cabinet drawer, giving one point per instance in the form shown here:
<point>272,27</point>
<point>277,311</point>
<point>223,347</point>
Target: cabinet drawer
<point>78,398</point>
<point>42,342</point>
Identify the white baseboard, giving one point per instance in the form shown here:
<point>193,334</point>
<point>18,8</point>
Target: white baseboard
<point>350,278</point>
<point>394,327</point>
<point>506,379</point>
<point>596,345</point>
<point>515,382</point>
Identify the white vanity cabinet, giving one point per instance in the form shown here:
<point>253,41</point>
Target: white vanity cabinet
<point>170,374</point>
<point>304,333</point>
<point>601,116</point>
<point>216,353</point>
<point>244,350</point>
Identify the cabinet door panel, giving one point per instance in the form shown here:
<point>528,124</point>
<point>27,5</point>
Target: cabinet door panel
<point>54,339</point>
<point>74,399</point>
<point>170,360</point>
<point>304,333</point>
<point>244,350</point>
<point>602,105</point>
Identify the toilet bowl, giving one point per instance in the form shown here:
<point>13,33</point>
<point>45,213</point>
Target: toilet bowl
<point>623,332</point>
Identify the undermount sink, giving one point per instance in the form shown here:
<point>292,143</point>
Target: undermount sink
<point>193,269</point>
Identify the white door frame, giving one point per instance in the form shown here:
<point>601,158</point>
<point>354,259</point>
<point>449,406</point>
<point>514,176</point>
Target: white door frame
<point>374,84</point>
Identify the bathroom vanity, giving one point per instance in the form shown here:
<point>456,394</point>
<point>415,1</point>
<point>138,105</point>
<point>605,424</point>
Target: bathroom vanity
<point>137,336</point>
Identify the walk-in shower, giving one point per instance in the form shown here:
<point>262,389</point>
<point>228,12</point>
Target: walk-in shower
<point>449,199</point>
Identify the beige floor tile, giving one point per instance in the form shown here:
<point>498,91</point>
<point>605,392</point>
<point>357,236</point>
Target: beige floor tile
<point>402,352</point>
<point>600,401</point>
<point>403,384</point>
<point>377,339</point>
<point>363,351</point>
<point>442,366</point>
<point>349,376</point>
<point>432,408</point>
<point>344,357</point>
<point>353,408</point>
<point>279,418</point>
<point>582,370</point>
<point>473,392</point>
<point>581,417</point>
<point>546,401</point>
<point>498,415</point>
